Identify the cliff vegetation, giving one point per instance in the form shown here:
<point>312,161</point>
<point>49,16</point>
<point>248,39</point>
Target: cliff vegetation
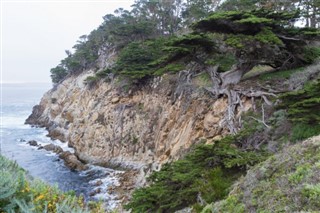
<point>285,182</point>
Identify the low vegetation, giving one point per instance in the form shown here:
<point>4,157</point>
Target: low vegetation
<point>286,182</point>
<point>20,193</point>
<point>303,110</point>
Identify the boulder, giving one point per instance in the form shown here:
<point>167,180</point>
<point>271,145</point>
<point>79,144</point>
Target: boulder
<point>115,100</point>
<point>56,133</point>
<point>94,192</point>
<point>32,143</point>
<point>98,183</point>
<point>72,162</point>
<point>53,148</point>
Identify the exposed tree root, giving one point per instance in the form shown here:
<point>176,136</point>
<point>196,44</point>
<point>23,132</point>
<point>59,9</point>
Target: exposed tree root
<point>223,85</point>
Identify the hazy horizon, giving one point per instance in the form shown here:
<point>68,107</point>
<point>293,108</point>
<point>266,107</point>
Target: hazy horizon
<point>35,34</point>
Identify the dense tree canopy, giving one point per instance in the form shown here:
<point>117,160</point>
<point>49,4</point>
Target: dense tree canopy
<point>153,19</point>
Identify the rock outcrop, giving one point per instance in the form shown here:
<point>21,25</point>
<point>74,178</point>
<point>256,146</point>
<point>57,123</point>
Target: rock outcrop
<point>71,161</point>
<point>53,148</point>
<point>32,143</point>
<point>152,125</point>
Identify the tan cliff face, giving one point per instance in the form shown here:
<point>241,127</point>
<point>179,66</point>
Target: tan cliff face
<point>149,126</point>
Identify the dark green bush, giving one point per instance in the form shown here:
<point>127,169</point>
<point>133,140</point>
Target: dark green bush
<point>208,171</point>
<point>311,54</point>
<point>303,110</point>
<point>58,73</point>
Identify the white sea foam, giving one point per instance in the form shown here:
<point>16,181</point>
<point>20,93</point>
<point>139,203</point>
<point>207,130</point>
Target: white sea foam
<point>107,178</point>
<point>63,145</point>
<point>51,154</point>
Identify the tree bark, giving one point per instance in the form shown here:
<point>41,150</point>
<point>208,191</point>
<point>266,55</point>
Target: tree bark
<point>222,84</point>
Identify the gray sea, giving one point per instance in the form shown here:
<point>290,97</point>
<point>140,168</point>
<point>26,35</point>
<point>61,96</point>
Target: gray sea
<point>16,105</point>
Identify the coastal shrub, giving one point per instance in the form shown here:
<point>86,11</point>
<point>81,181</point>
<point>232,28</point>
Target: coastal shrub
<point>58,73</point>
<point>303,110</point>
<point>207,172</point>
<point>285,182</point>
<point>311,54</point>
<point>20,194</point>
<point>302,131</point>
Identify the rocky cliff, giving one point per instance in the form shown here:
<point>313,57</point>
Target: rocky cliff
<point>148,126</point>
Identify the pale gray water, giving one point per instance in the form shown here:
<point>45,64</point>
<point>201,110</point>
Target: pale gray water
<point>16,106</point>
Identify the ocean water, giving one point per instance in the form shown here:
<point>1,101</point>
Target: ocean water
<point>16,105</point>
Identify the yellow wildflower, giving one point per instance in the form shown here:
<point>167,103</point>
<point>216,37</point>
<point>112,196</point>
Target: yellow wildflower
<point>39,197</point>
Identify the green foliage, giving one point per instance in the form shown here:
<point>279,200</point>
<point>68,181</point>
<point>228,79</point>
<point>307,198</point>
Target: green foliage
<point>214,185</point>
<point>301,131</point>
<point>260,37</point>
<point>58,73</point>
<point>312,192</point>
<point>154,57</point>
<point>18,194</point>
<point>104,73</point>
<point>230,204</point>
<point>266,36</point>
<point>208,170</point>
<point>225,61</point>
<point>235,41</point>
<point>134,60</point>
<point>91,79</point>
<point>245,22</point>
<point>162,19</point>
<point>308,31</point>
<point>254,20</point>
<point>172,68</point>
<point>302,108</point>
<point>303,105</point>
<point>286,182</point>
<point>311,54</point>
<point>193,40</point>
<point>186,47</point>
<point>300,173</point>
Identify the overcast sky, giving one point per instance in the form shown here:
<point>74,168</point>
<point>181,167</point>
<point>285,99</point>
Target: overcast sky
<point>35,34</point>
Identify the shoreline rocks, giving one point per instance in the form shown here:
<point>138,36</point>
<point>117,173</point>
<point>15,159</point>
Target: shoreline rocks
<point>72,162</point>
<point>33,143</point>
<point>53,148</point>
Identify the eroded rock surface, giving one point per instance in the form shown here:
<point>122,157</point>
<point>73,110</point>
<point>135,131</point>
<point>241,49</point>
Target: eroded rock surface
<point>147,127</point>
<point>72,162</point>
